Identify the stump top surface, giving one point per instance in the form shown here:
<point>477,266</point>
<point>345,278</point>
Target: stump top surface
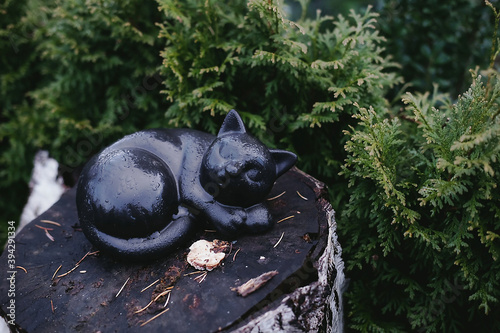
<point>86,298</point>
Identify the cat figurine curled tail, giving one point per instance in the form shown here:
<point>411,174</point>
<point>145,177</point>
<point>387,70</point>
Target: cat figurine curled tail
<point>144,195</point>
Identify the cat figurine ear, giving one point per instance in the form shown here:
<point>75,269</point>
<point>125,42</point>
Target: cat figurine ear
<point>232,124</point>
<point>284,160</point>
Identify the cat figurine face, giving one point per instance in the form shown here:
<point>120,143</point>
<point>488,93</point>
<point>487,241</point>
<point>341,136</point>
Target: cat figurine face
<point>144,195</point>
<point>237,169</point>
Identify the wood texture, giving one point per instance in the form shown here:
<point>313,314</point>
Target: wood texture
<point>105,295</point>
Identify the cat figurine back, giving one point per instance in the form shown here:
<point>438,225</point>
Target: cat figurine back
<point>144,195</point>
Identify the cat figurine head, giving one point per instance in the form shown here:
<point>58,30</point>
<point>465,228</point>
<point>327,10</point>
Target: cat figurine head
<point>239,170</point>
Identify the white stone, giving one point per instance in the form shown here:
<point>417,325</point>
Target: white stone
<point>46,188</point>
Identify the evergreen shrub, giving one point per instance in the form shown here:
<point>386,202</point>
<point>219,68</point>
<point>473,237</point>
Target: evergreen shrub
<point>421,230</point>
<point>18,66</point>
<point>292,82</point>
<point>75,75</point>
<point>94,76</point>
<point>436,42</point>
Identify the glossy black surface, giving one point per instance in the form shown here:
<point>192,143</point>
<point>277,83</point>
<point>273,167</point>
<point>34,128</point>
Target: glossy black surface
<point>141,197</point>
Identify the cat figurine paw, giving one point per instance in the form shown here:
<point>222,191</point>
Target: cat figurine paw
<point>144,195</point>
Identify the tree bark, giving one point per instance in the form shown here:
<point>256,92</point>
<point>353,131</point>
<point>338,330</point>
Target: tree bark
<point>291,276</point>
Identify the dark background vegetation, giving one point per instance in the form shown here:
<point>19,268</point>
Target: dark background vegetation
<point>77,75</point>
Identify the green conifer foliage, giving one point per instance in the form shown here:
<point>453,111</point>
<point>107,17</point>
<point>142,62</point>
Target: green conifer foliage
<point>421,230</point>
<point>19,68</point>
<point>93,60</point>
<point>437,41</point>
<point>282,76</point>
<point>75,75</point>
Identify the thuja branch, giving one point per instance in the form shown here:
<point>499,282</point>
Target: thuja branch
<point>494,44</point>
<point>494,47</point>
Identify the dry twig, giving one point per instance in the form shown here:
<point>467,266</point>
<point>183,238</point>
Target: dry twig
<point>254,284</point>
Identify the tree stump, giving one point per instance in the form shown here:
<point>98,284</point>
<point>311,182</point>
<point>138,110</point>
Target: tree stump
<point>62,282</point>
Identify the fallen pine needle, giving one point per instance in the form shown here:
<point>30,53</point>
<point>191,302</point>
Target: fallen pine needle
<point>197,272</point>
<point>201,277</point>
<point>168,299</point>
<point>144,308</point>
<point>153,318</point>
<point>52,305</point>
<point>152,284</point>
<point>234,257</point>
<point>276,197</point>
<point>282,234</point>
<point>300,195</point>
<point>122,287</point>
<point>50,222</point>
<point>57,270</point>
<point>163,293</point>
<point>166,292</point>
<point>24,269</point>
<point>286,218</point>
<point>43,228</point>
<point>49,236</point>
<point>85,256</point>
<point>71,270</point>
<point>76,265</point>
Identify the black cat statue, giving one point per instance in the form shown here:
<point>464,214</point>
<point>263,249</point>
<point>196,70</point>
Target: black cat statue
<point>141,197</point>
